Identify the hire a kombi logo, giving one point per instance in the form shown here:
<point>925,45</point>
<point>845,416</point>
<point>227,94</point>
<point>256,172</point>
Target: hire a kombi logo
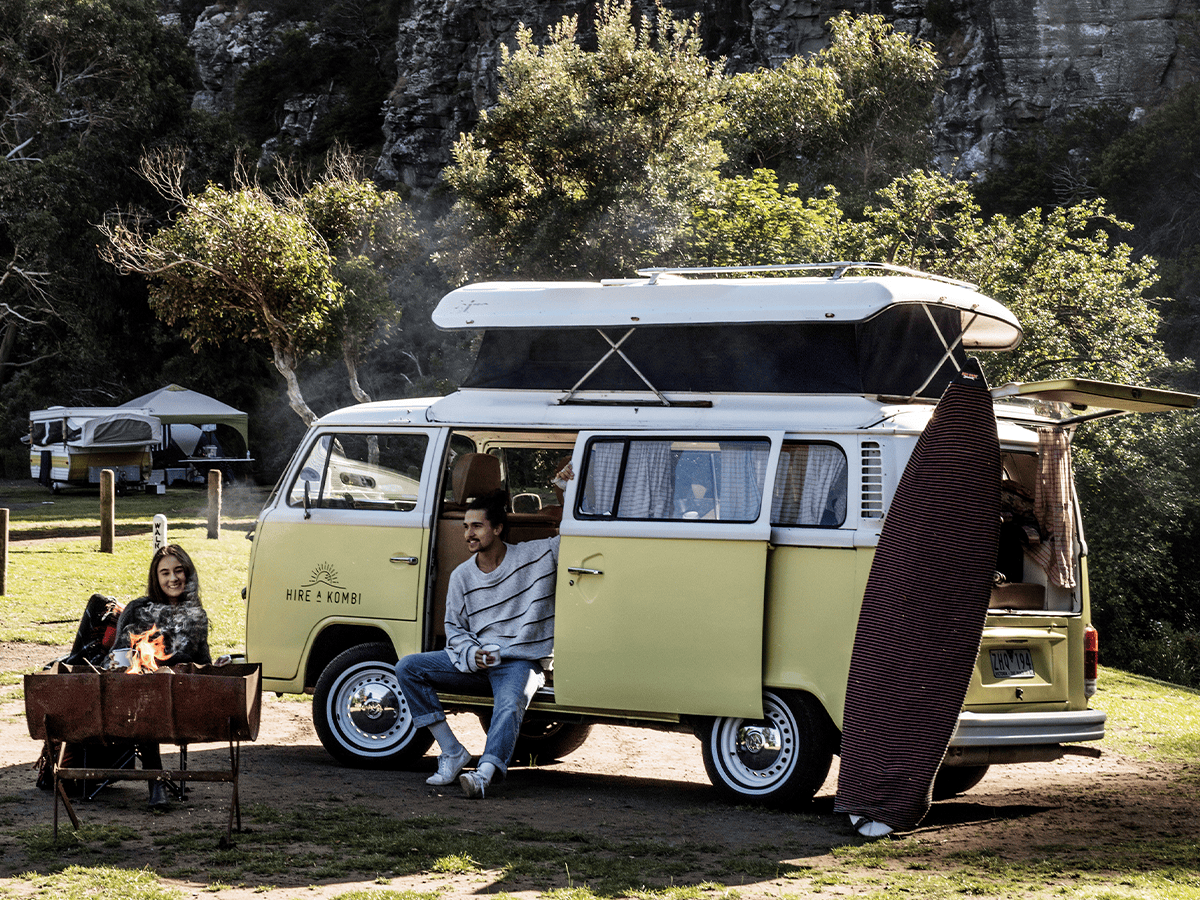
<point>323,587</point>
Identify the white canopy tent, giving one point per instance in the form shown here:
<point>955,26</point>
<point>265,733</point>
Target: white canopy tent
<point>191,419</point>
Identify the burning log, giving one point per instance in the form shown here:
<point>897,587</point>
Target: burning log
<point>148,648</point>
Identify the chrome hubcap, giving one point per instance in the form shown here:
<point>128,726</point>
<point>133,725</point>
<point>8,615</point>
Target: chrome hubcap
<point>758,746</point>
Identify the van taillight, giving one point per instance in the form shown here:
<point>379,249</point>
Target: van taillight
<point>1091,659</point>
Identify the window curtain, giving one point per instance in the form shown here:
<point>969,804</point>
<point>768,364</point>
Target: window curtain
<point>823,501</point>
<point>648,490</point>
<point>810,486</point>
<point>743,472</point>
<point>603,473</point>
<point>1054,508</point>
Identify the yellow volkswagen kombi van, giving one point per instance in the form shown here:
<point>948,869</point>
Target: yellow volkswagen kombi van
<point>736,441</point>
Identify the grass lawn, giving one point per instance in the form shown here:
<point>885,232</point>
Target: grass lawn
<point>55,563</point>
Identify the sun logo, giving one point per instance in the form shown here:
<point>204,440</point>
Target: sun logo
<point>324,574</point>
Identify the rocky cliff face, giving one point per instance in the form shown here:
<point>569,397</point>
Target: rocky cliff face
<point>1009,63</point>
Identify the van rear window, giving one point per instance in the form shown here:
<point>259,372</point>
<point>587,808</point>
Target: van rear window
<point>810,486</point>
<point>667,479</point>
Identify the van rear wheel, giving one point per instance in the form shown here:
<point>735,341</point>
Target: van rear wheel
<point>954,780</point>
<point>360,714</point>
<point>779,760</point>
<point>542,740</point>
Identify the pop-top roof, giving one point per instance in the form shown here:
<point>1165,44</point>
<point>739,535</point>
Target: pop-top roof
<point>665,298</point>
<point>901,333</point>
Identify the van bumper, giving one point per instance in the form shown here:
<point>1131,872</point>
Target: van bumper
<point>1024,729</point>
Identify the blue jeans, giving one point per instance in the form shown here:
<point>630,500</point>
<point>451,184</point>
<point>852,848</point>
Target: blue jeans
<point>513,684</point>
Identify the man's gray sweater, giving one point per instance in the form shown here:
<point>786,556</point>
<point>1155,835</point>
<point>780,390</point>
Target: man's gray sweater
<point>512,606</point>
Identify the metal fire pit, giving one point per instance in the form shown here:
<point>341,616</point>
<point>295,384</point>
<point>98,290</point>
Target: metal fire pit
<point>181,705</point>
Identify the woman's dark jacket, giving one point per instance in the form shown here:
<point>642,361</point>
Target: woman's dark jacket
<point>185,624</point>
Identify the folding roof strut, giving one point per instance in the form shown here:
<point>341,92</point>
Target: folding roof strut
<point>950,348</point>
<point>616,348</point>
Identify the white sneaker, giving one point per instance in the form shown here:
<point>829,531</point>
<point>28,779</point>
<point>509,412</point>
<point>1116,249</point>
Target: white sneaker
<point>449,765</point>
<point>870,828</point>
<point>472,784</point>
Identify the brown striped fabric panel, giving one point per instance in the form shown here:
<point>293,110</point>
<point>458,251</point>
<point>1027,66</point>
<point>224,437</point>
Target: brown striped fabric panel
<point>923,613</point>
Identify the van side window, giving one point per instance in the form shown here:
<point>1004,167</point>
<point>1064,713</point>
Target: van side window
<point>810,486</point>
<point>362,471</point>
<point>705,480</point>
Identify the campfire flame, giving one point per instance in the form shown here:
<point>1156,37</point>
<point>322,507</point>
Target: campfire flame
<point>148,648</point>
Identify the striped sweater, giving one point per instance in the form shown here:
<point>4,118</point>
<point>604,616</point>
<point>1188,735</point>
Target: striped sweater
<point>512,606</point>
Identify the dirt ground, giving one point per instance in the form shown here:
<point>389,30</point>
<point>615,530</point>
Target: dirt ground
<point>623,783</point>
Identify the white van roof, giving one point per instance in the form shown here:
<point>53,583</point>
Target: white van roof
<point>665,297</point>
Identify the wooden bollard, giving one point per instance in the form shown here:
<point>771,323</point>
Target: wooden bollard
<point>214,504</point>
<point>107,511</point>
<point>3,549</point>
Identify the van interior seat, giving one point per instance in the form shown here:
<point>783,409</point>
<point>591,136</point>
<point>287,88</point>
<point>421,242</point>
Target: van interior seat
<point>474,475</point>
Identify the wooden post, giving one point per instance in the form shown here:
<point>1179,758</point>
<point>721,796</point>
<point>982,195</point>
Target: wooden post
<point>107,513</point>
<point>214,504</point>
<point>3,549</point>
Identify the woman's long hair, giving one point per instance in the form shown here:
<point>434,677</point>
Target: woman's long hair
<point>192,589</point>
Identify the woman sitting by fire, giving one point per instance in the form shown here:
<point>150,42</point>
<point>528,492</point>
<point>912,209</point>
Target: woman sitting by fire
<point>168,626</point>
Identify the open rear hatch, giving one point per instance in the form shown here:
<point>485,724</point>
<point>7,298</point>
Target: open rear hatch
<point>1023,656</point>
<point>1075,400</point>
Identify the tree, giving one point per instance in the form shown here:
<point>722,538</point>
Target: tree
<point>370,233</point>
<point>752,222</point>
<point>297,269</point>
<point>855,115</point>
<point>80,82</point>
<point>233,264</point>
<point>1081,296</point>
<point>590,162</point>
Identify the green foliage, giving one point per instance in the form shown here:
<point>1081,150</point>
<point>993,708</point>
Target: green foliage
<point>245,264</point>
<point>782,115</point>
<point>1149,171</point>
<point>1138,487</point>
<point>74,73</point>
<point>1080,296</point>
<point>1054,163</point>
<point>590,161</point>
<point>753,222</point>
<point>855,115</point>
<point>238,264</point>
<point>83,85</point>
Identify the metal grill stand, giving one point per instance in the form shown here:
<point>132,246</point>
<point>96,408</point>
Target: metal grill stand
<point>181,705</point>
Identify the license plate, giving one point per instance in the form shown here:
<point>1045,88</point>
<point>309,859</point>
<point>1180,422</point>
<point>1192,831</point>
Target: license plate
<point>1012,664</point>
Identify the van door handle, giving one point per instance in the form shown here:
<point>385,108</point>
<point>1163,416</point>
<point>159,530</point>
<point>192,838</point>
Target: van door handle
<point>411,560</point>
<point>578,570</point>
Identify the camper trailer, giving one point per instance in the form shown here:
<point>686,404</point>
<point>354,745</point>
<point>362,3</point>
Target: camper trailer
<point>71,445</point>
<point>737,440</point>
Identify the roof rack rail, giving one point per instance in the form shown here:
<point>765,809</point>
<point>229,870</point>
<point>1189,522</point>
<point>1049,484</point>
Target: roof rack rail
<point>839,269</point>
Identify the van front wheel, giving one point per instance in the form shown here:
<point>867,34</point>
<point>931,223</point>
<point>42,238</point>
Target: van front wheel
<point>779,760</point>
<point>360,714</point>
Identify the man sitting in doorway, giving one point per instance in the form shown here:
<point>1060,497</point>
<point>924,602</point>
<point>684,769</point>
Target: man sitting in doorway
<point>501,598</point>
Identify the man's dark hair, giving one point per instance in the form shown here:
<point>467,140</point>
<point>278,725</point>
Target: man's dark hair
<point>494,506</point>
